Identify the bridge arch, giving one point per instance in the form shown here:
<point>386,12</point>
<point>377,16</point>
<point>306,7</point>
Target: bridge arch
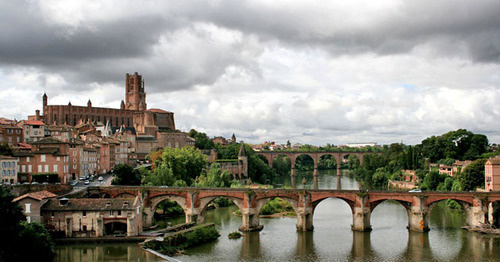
<point>303,155</point>
<point>205,201</point>
<point>263,201</point>
<point>125,195</point>
<point>349,202</point>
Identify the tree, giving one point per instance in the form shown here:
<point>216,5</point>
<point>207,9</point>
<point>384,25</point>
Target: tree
<point>161,176</point>
<point>186,163</point>
<point>202,141</point>
<point>5,150</point>
<point>214,178</point>
<point>473,175</point>
<point>126,175</point>
<point>21,236</point>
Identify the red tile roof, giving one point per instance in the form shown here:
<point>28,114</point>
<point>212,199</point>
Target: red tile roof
<point>36,195</point>
<point>157,110</point>
<point>34,123</point>
<point>94,204</point>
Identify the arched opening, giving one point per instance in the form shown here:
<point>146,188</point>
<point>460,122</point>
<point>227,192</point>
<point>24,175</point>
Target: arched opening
<point>263,158</point>
<point>304,163</point>
<point>168,213</point>
<point>268,209</point>
<point>494,214</point>
<point>332,220</point>
<point>125,195</point>
<point>327,162</point>
<point>227,212</point>
<point>350,162</point>
<point>447,214</point>
<point>115,228</point>
<point>282,165</point>
<point>446,218</point>
<point>389,221</point>
<point>277,207</point>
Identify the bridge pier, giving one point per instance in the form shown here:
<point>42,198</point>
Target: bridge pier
<point>361,214</point>
<point>250,214</point>
<point>305,213</point>
<point>477,213</point>
<point>315,178</point>
<point>147,217</point>
<point>292,178</point>
<point>250,221</point>
<point>418,216</point>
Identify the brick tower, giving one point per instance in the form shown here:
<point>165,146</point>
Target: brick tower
<point>135,97</point>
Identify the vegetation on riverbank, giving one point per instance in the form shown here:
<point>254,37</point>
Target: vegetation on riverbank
<point>177,242</point>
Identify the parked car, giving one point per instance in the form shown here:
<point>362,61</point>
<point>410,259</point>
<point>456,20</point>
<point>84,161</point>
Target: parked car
<point>74,183</point>
<point>87,182</point>
<point>415,190</point>
<point>100,178</point>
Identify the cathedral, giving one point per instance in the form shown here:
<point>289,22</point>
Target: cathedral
<point>133,112</point>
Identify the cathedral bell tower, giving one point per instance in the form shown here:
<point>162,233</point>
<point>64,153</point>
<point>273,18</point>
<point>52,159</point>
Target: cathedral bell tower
<point>135,97</point>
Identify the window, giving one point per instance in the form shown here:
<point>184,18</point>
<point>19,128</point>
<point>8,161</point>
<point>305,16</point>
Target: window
<point>29,169</point>
<point>84,213</point>
<point>55,168</point>
<point>27,207</point>
<point>28,159</point>
<point>23,168</point>
<point>119,212</point>
<point>28,218</point>
<point>84,228</point>
<point>43,158</point>
<point>40,169</point>
<point>52,214</point>
<point>58,159</point>
<point>111,213</point>
<point>46,168</point>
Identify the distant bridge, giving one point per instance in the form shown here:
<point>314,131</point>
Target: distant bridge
<point>316,156</point>
<point>194,201</point>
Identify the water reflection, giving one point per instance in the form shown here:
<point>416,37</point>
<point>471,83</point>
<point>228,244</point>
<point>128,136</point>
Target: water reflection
<point>250,246</point>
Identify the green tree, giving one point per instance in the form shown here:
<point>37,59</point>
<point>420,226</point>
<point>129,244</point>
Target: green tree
<point>214,178</point>
<point>5,150</point>
<point>202,141</point>
<point>473,175</point>
<point>126,175</point>
<point>20,236</point>
<point>161,176</point>
<point>186,163</point>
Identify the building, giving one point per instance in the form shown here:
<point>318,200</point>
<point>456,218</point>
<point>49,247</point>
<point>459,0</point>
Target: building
<point>133,111</point>
<point>88,217</point>
<point>362,144</point>
<point>8,169</point>
<point>445,170</point>
<point>492,174</point>
<point>458,166</point>
<point>32,204</point>
<point>33,130</point>
<point>11,134</point>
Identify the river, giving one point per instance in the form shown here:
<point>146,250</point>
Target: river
<point>331,240</point>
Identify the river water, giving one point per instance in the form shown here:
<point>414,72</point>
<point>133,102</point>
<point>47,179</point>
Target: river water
<point>331,240</point>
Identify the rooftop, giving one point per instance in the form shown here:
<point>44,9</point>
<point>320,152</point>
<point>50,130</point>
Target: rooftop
<point>36,195</point>
<point>91,204</point>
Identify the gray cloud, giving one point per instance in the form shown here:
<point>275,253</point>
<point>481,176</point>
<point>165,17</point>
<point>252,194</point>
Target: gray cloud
<point>333,69</point>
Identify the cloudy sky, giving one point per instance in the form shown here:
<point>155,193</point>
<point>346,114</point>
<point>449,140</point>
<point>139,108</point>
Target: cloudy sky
<point>306,71</point>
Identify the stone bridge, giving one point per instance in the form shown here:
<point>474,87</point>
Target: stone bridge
<point>194,201</point>
<point>316,156</point>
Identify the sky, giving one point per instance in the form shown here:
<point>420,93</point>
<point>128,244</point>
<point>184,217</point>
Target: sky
<point>311,72</point>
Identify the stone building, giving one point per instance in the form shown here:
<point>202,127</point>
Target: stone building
<point>34,130</point>
<point>87,217</point>
<point>492,174</point>
<point>8,170</point>
<point>32,203</point>
<point>11,134</point>
<point>133,111</point>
